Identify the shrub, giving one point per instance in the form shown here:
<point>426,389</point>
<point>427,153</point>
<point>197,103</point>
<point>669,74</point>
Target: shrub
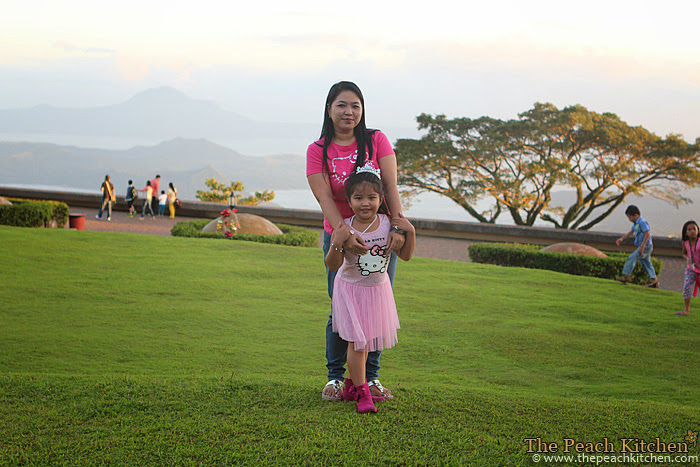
<point>291,235</point>
<point>530,256</point>
<point>34,213</point>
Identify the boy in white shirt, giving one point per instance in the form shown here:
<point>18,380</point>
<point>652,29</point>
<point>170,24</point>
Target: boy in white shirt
<point>162,201</point>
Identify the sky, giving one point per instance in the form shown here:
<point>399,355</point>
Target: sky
<point>275,61</point>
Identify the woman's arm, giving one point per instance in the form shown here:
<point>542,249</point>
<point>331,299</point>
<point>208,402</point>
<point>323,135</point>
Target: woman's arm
<point>321,188</point>
<point>387,165</point>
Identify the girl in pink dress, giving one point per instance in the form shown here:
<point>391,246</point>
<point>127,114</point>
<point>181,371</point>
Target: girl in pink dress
<point>691,253</point>
<point>364,311</point>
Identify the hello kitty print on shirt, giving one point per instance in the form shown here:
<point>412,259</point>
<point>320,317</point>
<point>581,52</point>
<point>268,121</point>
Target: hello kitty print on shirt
<point>375,260</point>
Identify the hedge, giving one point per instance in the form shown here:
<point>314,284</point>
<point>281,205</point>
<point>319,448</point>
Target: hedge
<point>530,256</point>
<point>33,213</point>
<point>291,235</point>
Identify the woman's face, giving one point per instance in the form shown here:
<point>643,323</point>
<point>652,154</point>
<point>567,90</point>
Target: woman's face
<point>345,112</point>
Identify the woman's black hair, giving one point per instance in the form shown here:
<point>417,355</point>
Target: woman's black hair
<point>171,186</point>
<point>684,232</point>
<point>363,136</point>
<point>367,177</point>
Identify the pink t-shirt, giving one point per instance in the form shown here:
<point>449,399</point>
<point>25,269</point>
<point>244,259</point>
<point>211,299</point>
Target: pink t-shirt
<point>694,255</point>
<point>341,162</point>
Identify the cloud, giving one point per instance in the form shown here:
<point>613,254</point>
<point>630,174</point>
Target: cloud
<point>76,49</point>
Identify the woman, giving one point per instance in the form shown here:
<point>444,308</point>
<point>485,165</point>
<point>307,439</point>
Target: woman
<point>147,201</point>
<point>172,196</point>
<point>346,144</point>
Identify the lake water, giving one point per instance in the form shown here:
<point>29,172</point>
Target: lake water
<point>427,206</point>
<point>665,220</point>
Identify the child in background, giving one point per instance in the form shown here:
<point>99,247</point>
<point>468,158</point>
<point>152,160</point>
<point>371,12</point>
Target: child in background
<point>643,247</point>
<point>691,253</point>
<point>162,201</point>
<point>364,311</point>
<point>131,195</point>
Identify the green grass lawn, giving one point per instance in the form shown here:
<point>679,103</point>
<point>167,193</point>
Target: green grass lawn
<point>125,349</point>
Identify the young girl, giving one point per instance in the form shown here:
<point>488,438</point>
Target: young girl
<point>364,311</point>
<point>691,253</point>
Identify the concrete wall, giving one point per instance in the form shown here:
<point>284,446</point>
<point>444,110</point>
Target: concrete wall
<point>472,231</point>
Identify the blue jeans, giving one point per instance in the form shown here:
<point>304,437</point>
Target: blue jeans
<point>337,348</point>
<point>644,259</point>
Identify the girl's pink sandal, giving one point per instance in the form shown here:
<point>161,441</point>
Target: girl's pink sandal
<point>364,399</point>
<point>683,313</point>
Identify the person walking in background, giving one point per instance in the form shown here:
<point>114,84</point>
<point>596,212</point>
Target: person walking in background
<point>147,202</point>
<point>155,184</point>
<point>108,197</point>
<point>345,145</point>
<point>131,195</point>
<point>172,197</point>
<point>691,253</point>
<point>643,247</point>
<point>364,310</point>
<point>162,200</point>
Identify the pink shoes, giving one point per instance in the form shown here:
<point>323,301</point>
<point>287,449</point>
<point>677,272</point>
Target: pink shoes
<point>364,399</point>
<point>361,394</point>
<point>349,391</point>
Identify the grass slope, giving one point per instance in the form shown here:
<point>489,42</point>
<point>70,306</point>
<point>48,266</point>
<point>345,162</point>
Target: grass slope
<point>124,349</point>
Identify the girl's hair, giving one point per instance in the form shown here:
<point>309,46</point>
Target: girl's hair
<point>171,186</point>
<point>363,136</point>
<point>684,232</point>
<point>148,183</point>
<point>356,180</point>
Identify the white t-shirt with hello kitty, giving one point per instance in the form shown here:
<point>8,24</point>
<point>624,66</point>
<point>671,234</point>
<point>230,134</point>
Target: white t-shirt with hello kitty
<point>371,268</point>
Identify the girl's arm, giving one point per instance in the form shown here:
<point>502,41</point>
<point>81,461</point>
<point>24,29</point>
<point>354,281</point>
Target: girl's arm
<point>406,251</point>
<point>336,253</point>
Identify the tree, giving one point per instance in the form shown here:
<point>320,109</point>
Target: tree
<point>219,193</point>
<point>518,164</point>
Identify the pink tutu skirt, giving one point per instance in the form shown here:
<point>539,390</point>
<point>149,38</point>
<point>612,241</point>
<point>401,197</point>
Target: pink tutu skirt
<point>365,315</point>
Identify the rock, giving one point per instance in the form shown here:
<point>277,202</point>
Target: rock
<point>249,224</point>
<point>575,249</point>
<point>4,202</point>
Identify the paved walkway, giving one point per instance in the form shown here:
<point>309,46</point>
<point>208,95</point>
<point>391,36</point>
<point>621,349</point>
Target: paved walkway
<point>671,277</point>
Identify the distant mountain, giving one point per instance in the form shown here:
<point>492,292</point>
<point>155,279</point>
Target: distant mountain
<point>185,162</point>
<point>160,113</point>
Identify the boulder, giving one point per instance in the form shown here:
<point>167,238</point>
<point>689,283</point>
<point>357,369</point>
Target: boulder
<point>249,224</point>
<point>575,249</point>
<point>4,202</point>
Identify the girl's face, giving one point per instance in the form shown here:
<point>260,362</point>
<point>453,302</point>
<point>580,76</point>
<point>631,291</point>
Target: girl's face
<point>692,231</point>
<point>345,112</point>
<point>365,202</point>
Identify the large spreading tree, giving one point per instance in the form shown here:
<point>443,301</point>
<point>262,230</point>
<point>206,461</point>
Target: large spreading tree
<point>519,163</point>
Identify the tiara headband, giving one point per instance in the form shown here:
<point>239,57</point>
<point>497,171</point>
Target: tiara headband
<point>369,168</point>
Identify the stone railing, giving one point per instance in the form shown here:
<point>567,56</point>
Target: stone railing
<point>472,231</point>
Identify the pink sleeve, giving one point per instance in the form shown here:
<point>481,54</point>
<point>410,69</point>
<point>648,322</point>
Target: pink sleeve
<point>382,145</point>
<point>314,159</point>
